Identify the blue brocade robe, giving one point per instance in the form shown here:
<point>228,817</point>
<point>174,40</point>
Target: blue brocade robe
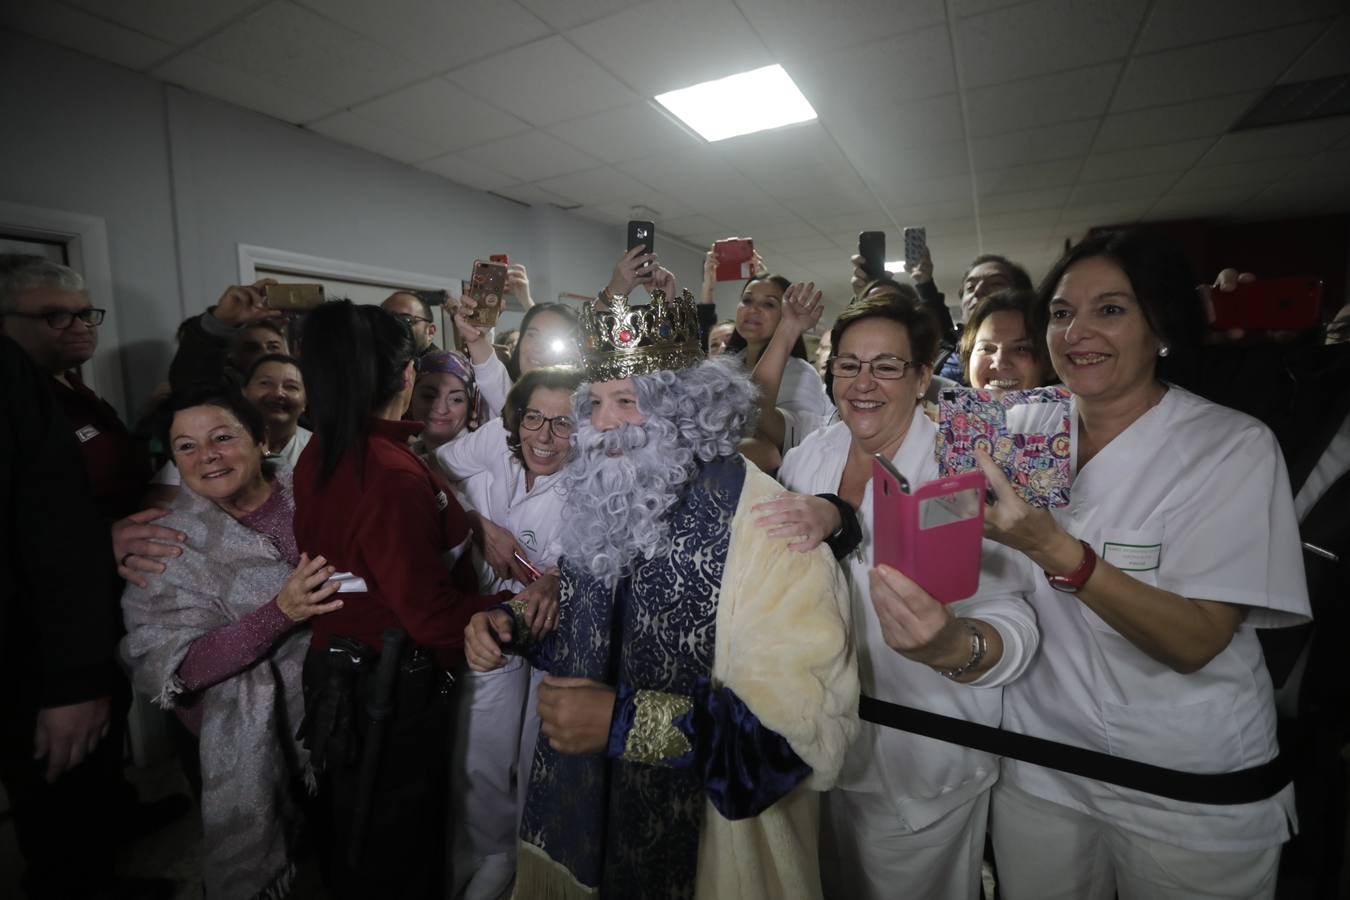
<point>629,824</point>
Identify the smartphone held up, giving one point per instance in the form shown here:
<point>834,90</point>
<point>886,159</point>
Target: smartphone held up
<point>486,286</point>
<point>642,234</point>
<point>931,534</point>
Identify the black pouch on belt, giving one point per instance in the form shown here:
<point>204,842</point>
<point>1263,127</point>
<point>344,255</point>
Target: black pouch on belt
<point>330,730</point>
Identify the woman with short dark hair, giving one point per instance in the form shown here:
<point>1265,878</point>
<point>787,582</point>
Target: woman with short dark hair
<point>907,817</point>
<point>510,471</point>
<point>1000,349</point>
<point>1179,542</point>
<point>398,538</point>
<point>215,638</point>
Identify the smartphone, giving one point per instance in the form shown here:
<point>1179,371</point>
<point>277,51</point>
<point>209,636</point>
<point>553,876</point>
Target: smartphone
<point>1275,304</point>
<point>933,533</point>
<point>734,259</point>
<point>644,234</point>
<point>485,287</point>
<point>294,297</point>
<point>529,568</point>
<point>500,258</point>
<point>872,249</point>
<point>916,245</point>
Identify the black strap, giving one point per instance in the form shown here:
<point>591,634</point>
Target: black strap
<point>1222,789</point>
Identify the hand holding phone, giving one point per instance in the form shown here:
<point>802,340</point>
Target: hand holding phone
<point>642,234</point>
<point>916,247</point>
<point>486,286</point>
<point>872,249</point>
<point>1272,304</point>
<point>293,297</point>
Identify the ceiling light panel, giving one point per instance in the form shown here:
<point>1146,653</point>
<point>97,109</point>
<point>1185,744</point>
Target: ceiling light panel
<point>752,101</point>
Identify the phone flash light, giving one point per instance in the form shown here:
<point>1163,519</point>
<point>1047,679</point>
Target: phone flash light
<point>558,345</point>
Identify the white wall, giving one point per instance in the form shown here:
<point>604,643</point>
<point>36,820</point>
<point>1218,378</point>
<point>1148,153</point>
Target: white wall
<point>84,136</point>
<point>182,179</point>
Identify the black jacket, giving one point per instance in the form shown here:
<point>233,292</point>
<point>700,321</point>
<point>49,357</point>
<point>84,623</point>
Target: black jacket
<point>59,619</point>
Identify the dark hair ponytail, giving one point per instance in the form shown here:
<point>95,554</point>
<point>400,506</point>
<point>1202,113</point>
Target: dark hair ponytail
<point>352,360</point>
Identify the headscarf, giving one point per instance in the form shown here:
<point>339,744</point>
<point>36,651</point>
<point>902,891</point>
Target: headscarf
<point>457,364</point>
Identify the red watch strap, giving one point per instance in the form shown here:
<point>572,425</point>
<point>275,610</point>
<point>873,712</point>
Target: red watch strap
<point>1072,582</point>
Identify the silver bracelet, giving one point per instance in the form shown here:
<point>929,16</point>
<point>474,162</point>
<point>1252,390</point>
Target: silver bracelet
<point>977,650</point>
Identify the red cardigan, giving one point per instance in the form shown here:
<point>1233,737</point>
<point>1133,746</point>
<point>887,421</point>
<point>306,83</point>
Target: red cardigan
<point>391,524</point>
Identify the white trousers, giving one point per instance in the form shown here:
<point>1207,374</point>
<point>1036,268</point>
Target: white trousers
<point>867,854</point>
<point>495,715</point>
<point>1045,851</point>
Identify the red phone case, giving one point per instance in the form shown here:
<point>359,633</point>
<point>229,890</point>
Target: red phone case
<point>500,258</point>
<point>733,257</point>
<point>942,558</point>
<point>1276,304</point>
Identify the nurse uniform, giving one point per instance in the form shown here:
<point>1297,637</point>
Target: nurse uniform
<point>1192,498</point>
<point>496,718</point>
<point>908,816</point>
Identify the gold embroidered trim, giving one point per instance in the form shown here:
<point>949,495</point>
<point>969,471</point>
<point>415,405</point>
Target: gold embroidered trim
<point>654,739</point>
<point>520,629</point>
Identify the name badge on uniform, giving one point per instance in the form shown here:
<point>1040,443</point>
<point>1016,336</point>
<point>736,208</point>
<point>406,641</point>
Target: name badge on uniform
<point>87,433</point>
<point>442,501</point>
<point>1132,557</point>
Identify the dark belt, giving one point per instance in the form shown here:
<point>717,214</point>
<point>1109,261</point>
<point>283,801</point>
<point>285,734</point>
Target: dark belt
<point>1220,789</point>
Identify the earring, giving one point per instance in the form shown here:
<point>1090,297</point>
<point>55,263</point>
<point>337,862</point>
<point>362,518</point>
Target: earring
<point>1163,350</point>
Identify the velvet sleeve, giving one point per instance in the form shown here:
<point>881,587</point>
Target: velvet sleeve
<point>746,767</point>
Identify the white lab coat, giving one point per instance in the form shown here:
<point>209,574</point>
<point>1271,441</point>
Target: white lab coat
<point>1193,498</point>
<point>802,402</point>
<point>924,780</point>
<point>494,383</point>
<point>496,719</point>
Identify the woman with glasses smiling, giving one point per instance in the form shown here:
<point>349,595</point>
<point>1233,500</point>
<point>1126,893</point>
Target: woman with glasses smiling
<point>518,509</point>
<point>908,815</point>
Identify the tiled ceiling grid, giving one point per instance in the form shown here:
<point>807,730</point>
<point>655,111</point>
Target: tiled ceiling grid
<point>1000,125</point>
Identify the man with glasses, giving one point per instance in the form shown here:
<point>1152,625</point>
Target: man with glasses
<point>62,716</point>
<point>414,310</point>
<point>45,309</point>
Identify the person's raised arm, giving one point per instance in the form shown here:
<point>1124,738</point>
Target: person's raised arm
<point>518,284</point>
<point>802,309</point>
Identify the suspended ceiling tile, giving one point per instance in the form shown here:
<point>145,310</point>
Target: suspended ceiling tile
<point>377,138</point>
<point>441,113</point>
<point>1209,117</point>
<point>1043,100</point>
<point>1144,160</point>
<point>531,156</point>
<point>544,83</point>
<point>1249,62</point>
<point>624,134</point>
<point>242,88</point>
<point>1177,23</point>
<point>80,31</point>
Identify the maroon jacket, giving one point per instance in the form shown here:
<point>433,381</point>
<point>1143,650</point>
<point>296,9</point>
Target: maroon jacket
<point>391,524</point>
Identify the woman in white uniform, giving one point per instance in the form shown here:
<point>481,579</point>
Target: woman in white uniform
<point>908,817</point>
<point>1179,542</point>
<point>508,469</point>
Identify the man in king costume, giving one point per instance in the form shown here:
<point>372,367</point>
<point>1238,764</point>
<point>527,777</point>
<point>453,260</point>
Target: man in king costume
<point>702,686</point>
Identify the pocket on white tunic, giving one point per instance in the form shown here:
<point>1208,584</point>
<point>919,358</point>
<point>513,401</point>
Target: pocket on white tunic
<point>1192,737</point>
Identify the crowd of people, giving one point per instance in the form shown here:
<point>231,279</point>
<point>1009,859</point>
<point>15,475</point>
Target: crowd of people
<point>599,611</point>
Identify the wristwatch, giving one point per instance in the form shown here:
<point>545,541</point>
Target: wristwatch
<point>1072,582</point>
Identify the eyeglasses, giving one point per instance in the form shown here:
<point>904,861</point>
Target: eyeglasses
<point>561,426</point>
<point>408,319</point>
<point>61,319</point>
<point>886,368</point>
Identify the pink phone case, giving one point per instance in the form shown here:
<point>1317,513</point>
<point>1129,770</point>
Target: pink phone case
<point>943,558</point>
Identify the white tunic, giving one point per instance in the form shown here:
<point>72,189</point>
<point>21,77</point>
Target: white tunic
<point>1193,498</point>
<point>493,480</point>
<point>802,402</point>
<point>494,383</point>
<point>927,778</point>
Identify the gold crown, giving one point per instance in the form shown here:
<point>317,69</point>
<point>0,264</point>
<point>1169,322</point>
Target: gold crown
<point>623,341</point>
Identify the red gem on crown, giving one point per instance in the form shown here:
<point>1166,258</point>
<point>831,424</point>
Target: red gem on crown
<point>625,335</point>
